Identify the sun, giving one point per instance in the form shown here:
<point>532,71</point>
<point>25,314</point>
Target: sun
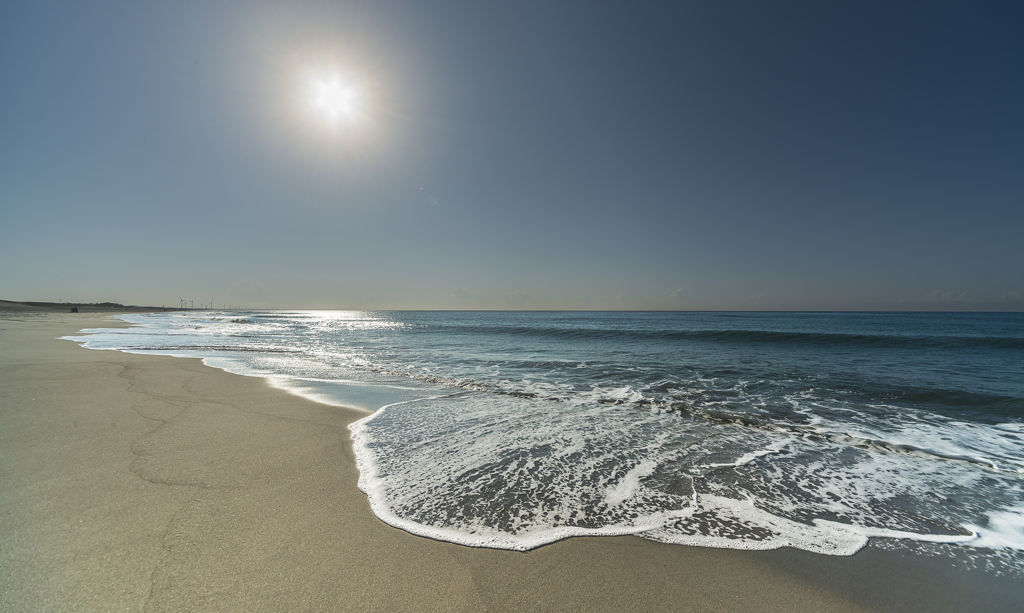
<point>335,100</point>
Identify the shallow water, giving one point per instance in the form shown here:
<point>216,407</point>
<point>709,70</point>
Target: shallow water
<point>741,430</point>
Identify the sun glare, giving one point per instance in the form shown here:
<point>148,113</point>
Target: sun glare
<point>335,100</point>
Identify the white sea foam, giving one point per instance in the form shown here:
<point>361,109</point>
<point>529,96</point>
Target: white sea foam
<point>915,432</point>
<point>627,486</point>
<point>518,478</point>
<point>1005,530</point>
<point>381,494</point>
<point>744,526</point>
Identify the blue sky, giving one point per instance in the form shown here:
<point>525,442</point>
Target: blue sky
<point>571,155</point>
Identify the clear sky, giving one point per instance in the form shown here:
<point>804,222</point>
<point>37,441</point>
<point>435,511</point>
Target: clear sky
<point>514,155</point>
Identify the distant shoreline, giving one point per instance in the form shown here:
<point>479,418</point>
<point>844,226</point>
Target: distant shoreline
<point>7,306</point>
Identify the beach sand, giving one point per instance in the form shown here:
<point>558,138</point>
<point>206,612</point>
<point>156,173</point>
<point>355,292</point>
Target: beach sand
<point>153,483</point>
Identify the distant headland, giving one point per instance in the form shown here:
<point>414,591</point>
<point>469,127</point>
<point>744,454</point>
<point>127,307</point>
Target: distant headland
<point>8,306</point>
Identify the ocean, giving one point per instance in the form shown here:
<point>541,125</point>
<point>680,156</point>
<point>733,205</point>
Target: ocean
<point>826,432</point>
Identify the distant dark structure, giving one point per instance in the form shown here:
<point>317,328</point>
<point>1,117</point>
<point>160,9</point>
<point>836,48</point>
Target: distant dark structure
<point>74,309</point>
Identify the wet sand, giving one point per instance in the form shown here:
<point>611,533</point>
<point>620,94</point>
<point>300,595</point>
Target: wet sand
<point>153,483</point>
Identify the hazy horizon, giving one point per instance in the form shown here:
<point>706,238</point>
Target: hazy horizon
<point>238,307</point>
<point>538,156</point>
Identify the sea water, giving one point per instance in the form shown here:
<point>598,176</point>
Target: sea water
<point>821,431</point>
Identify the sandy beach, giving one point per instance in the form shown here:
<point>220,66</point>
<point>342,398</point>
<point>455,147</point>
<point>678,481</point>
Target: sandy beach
<point>133,482</point>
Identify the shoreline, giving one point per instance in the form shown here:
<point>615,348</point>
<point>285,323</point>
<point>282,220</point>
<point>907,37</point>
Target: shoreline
<point>110,308</point>
<point>134,481</point>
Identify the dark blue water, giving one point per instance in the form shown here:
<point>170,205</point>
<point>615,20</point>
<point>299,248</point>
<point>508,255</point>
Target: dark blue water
<point>742,430</point>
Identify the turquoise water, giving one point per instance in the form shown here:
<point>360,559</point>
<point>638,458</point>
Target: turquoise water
<point>821,431</point>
